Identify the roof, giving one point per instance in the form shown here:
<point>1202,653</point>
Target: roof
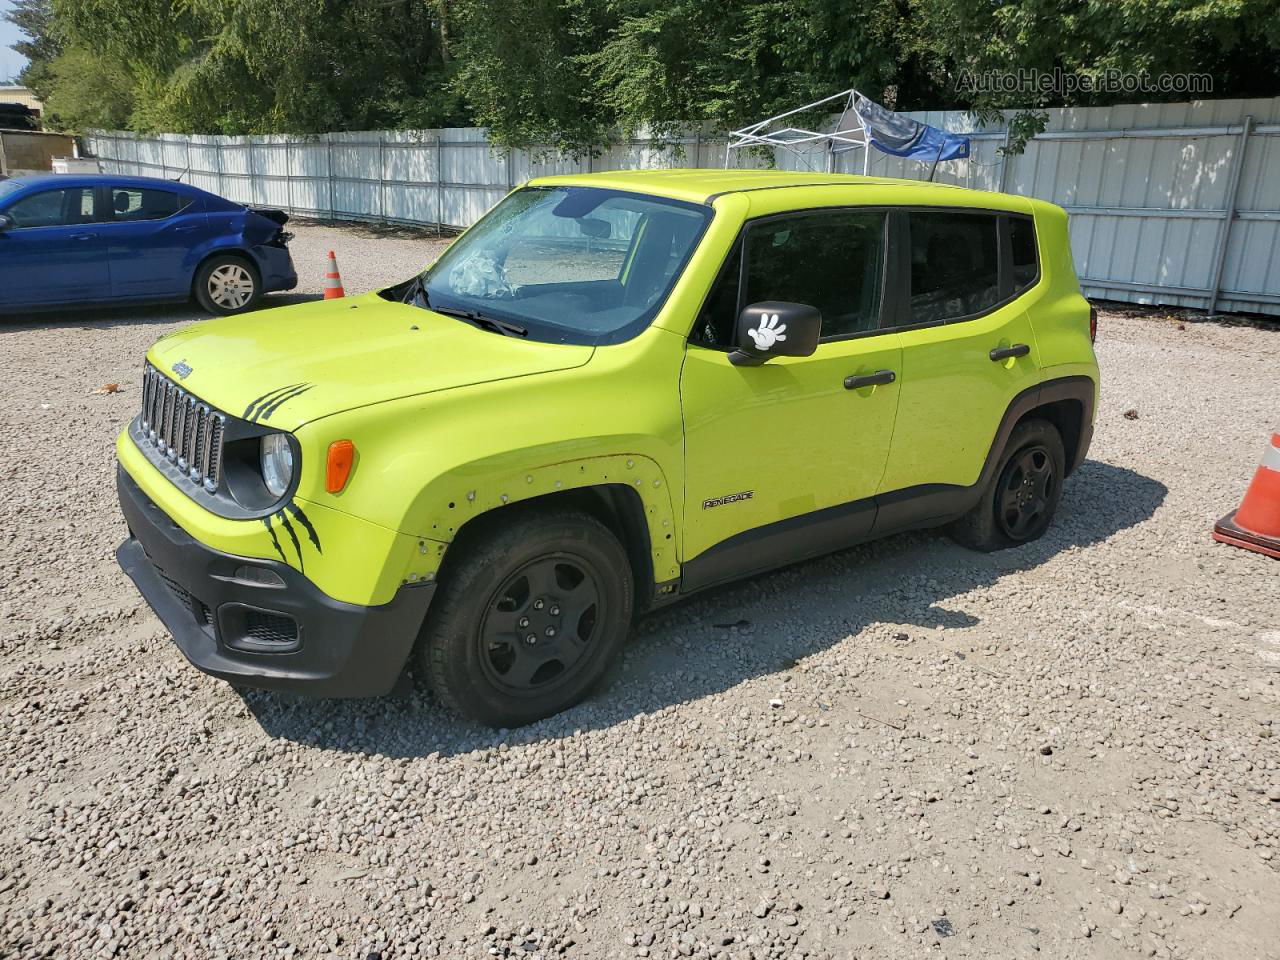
<point>93,179</point>
<point>701,186</point>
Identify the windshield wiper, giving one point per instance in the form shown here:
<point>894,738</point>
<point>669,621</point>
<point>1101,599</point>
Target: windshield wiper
<point>492,324</point>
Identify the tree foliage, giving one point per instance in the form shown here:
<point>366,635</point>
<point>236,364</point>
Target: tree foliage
<point>573,73</point>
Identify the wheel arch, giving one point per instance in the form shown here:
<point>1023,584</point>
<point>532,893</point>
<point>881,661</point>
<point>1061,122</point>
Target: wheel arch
<point>618,506</point>
<point>1068,417</point>
<point>238,252</point>
<point>628,493</point>
<point>1067,402</point>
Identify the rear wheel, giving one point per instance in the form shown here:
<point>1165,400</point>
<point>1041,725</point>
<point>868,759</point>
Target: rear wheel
<point>529,618</point>
<point>227,284</point>
<point>1020,501</point>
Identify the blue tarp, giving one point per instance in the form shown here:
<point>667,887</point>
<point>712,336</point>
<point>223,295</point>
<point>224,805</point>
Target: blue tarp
<point>903,137</point>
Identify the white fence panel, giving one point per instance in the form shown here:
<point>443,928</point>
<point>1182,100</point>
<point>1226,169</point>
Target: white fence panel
<point>1175,204</point>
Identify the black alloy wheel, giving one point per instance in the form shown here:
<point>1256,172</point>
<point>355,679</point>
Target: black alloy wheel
<point>539,625</point>
<point>1028,485</point>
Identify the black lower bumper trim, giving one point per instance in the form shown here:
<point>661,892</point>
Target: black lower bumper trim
<point>335,649</point>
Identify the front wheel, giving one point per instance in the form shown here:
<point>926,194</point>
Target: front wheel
<point>1020,502</point>
<point>227,284</point>
<point>529,618</point>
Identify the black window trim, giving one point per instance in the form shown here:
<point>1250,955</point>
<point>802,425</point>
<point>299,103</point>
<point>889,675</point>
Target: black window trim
<point>896,264</point>
<point>107,199</point>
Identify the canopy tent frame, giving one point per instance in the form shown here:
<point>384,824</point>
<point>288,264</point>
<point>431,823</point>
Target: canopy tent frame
<point>846,136</point>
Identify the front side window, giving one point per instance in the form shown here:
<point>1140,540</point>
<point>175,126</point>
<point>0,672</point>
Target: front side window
<point>54,208</point>
<point>829,260</point>
<point>564,264</point>
<point>955,265</point>
<point>130,204</point>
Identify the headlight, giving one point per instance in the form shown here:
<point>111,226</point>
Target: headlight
<point>277,463</point>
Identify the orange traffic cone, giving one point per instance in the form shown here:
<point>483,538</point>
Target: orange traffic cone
<point>333,280</point>
<point>1256,525</point>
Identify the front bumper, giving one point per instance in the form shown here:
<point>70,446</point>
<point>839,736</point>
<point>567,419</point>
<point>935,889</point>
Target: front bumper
<point>292,638</point>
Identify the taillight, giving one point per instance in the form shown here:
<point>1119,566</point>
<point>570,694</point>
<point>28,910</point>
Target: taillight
<point>342,456</point>
<point>1093,324</point>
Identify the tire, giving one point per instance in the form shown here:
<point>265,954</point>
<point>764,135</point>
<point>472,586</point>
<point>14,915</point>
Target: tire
<point>1023,494</point>
<point>227,284</point>
<point>552,578</point>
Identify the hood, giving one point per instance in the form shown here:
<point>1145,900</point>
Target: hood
<point>293,364</point>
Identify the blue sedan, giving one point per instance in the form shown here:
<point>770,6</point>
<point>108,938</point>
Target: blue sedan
<point>74,240</point>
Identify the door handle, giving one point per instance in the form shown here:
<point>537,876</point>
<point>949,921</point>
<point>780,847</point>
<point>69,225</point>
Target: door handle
<point>877,379</point>
<point>1004,353</point>
<point>82,236</point>
<point>189,228</point>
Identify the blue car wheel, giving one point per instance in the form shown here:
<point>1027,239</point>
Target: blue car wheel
<point>227,284</point>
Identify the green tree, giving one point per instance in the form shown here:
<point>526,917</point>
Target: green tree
<point>88,91</point>
<point>271,66</point>
<point>1235,42</point>
<point>41,46</point>
<point>568,72</point>
<point>572,74</point>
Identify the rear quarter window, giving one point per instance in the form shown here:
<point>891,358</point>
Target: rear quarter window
<point>1026,258</point>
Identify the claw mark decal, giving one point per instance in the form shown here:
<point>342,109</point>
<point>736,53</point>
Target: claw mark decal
<point>274,539</point>
<point>306,524</point>
<point>282,515</point>
<point>293,535</point>
<point>264,406</point>
<point>263,400</point>
<point>275,404</point>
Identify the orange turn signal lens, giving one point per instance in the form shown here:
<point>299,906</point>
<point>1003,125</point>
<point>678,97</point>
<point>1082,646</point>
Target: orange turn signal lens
<point>342,456</point>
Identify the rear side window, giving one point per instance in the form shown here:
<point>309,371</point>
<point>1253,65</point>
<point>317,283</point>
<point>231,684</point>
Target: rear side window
<point>54,208</point>
<point>829,260</point>
<point>130,204</point>
<point>955,265</point>
<point>1026,263</point>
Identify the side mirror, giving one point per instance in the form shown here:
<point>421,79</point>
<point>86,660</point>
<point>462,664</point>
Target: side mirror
<point>775,328</point>
<point>6,222</point>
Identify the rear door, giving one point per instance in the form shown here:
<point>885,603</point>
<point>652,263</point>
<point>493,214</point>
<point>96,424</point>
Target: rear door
<point>150,238</point>
<point>963,304</point>
<point>55,251</point>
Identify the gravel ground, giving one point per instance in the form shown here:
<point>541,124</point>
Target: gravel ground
<point>900,751</point>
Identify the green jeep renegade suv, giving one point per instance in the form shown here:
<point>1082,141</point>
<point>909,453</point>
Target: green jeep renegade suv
<point>611,392</point>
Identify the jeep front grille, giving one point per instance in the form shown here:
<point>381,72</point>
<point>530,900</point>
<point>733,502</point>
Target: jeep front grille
<point>183,428</point>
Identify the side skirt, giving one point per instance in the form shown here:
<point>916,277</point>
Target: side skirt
<point>825,531</point>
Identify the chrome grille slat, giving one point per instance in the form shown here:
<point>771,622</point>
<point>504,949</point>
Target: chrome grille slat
<point>213,476</point>
<point>183,428</point>
<point>170,414</point>
<point>146,398</point>
<point>179,428</point>
<point>193,428</point>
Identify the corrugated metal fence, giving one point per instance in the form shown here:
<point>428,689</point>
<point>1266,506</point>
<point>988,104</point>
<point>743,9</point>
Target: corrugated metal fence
<point>1171,203</point>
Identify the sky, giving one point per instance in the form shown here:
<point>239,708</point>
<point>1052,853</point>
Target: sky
<point>10,62</point>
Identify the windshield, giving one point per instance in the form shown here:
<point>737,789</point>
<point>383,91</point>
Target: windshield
<point>565,264</point>
<point>9,186</point>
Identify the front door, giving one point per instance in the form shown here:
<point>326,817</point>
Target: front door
<point>54,251</point>
<point>783,458</point>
